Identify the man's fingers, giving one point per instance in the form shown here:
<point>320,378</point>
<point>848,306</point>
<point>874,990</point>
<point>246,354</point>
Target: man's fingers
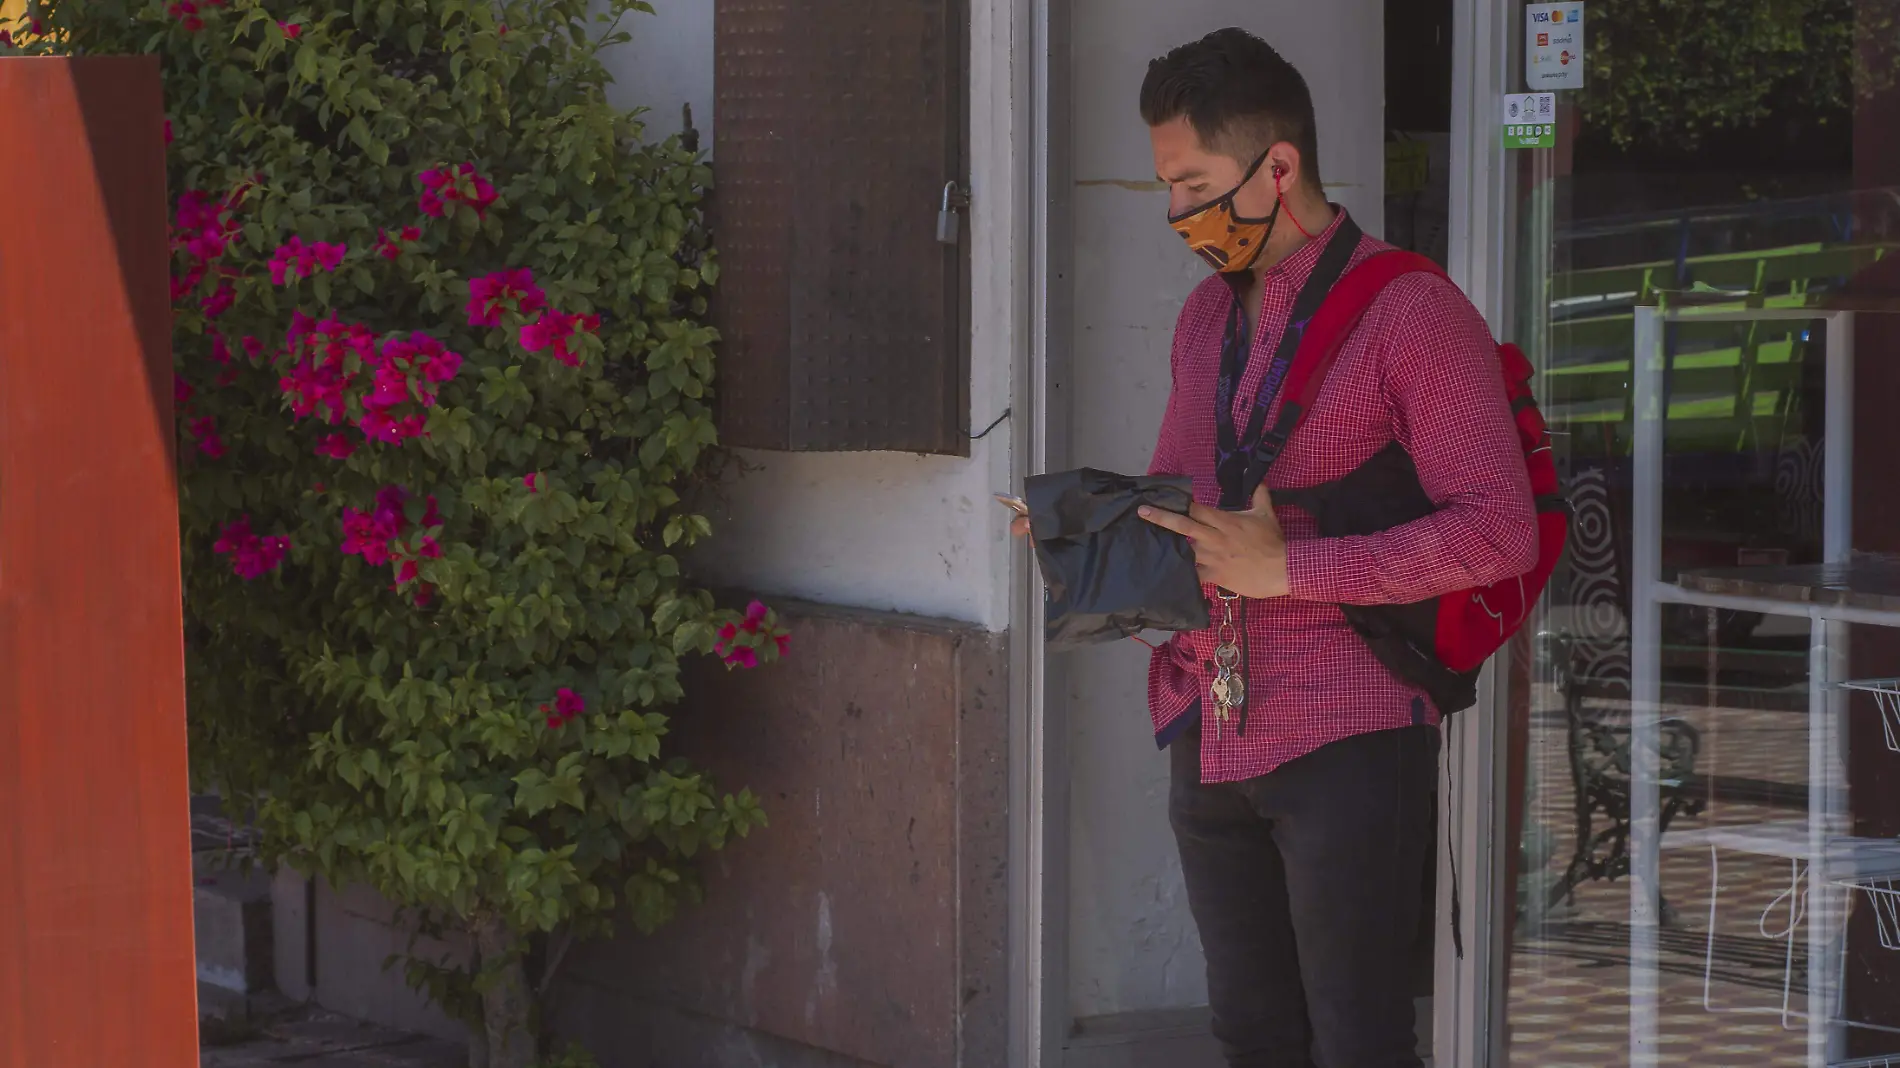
<point>1207,516</point>
<point>1180,524</point>
<point>1262,500</point>
<point>1019,526</point>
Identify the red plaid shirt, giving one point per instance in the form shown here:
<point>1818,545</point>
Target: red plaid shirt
<point>1421,369</point>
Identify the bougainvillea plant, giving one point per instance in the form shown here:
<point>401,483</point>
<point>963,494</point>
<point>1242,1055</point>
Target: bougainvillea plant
<point>442,377</point>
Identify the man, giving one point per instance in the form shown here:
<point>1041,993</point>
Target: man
<point>1303,770</point>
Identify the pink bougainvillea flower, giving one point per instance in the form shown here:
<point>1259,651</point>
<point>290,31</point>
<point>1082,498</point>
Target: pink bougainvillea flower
<point>411,367</point>
<point>491,294</point>
<point>380,426</point>
<point>253,348</point>
<point>186,12</point>
<point>283,261</point>
<point>424,594</point>
<point>557,331</point>
<point>319,376</point>
<point>756,612</point>
<point>294,259</point>
<point>388,388</point>
<point>389,246</point>
<point>291,30</point>
<point>430,518</point>
<point>183,284</point>
<point>251,555</point>
<point>431,201</point>
<point>204,227</point>
<point>389,502</point>
<point>744,656</point>
<point>386,376</point>
<point>205,430</point>
<point>181,390</point>
<point>532,480</point>
<point>784,642</point>
<point>227,377</point>
<point>220,349</point>
<point>567,705</point>
<point>219,301</point>
<point>461,184</point>
<point>335,446</point>
<point>368,534</point>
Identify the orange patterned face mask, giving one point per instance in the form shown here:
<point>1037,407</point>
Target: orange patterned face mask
<point>1220,236</point>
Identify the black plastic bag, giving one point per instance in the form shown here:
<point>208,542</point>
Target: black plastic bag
<point>1109,573</point>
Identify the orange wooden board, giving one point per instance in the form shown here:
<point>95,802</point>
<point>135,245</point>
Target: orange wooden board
<point>96,963</point>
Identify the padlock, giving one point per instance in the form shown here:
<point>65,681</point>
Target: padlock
<point>949,223</point>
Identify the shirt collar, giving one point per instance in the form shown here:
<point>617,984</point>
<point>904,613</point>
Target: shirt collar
<point>1297,266</point>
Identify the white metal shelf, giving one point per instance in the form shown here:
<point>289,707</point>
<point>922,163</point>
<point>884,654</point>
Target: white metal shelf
<point>1663,592</point>
<point>1812,845</point>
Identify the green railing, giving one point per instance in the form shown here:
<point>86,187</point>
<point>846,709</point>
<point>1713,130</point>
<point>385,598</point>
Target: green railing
<point>1733,386</point>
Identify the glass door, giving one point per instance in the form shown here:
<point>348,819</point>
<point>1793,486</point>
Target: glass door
<point>1702,760</point>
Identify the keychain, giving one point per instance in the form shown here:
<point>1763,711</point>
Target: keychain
<point>1230,687</point>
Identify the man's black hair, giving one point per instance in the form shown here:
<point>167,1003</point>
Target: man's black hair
<point>1239,95</point>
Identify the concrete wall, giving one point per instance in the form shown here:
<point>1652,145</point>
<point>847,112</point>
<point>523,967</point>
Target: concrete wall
<point>887,531</point>
<point>1132,943</point>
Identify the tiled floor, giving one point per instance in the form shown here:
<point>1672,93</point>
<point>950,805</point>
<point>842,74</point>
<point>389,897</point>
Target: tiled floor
<point>1568,1003</point>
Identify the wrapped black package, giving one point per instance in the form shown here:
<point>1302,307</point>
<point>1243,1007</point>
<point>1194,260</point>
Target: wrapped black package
<point>1109,573</point>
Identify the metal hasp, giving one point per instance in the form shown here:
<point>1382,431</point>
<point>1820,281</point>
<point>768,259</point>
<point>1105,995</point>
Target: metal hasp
<point>949,221</point>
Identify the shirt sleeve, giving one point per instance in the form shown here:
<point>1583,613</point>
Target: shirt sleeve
<point>1450,413</point>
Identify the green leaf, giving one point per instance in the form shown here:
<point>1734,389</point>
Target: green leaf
<point>306,62</point>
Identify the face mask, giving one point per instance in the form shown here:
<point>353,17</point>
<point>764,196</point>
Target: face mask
<point>1220,236</point>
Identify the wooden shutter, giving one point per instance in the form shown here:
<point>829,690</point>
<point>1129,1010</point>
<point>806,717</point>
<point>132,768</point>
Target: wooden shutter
<point>835,126</point>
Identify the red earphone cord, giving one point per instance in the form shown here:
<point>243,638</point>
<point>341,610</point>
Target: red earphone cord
<point>1280,196</point>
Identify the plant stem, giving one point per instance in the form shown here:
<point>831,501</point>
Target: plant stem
<point>505,998</point>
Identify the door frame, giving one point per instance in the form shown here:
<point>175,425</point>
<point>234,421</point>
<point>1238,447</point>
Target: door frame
<point>1023,44</point>
<point>1471,988</point>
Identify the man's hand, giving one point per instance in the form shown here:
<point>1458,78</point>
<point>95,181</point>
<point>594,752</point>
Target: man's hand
<point>1019,526</point>
<point>1240,551</point>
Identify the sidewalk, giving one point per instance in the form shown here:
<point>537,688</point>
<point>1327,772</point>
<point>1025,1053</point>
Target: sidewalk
<point>317,1038</point>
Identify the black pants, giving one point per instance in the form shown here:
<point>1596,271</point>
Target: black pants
<point>1305,884</point>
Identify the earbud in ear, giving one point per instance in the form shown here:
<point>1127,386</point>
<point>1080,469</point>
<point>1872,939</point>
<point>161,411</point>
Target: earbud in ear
<point>1279,172</point>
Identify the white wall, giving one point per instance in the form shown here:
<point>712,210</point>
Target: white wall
<point>887,531</point>
<point>1132,942</point>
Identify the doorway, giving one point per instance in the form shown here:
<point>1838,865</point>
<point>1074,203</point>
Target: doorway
<point>1127,967</point>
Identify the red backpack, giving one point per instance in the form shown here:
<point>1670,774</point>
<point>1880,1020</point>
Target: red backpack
<point>1438,644</point>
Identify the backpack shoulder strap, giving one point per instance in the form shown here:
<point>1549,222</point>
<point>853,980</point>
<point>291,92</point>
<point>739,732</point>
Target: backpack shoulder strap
<point>1336,319</point>
<point>1323,336</point>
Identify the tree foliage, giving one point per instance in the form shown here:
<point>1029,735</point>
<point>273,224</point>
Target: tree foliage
<point>1673,72</point>
<point>443,372</point>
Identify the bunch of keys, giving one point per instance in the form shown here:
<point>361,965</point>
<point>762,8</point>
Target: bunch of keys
<point>1229,689</point>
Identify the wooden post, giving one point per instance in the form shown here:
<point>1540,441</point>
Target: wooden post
<point>95,859</point>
